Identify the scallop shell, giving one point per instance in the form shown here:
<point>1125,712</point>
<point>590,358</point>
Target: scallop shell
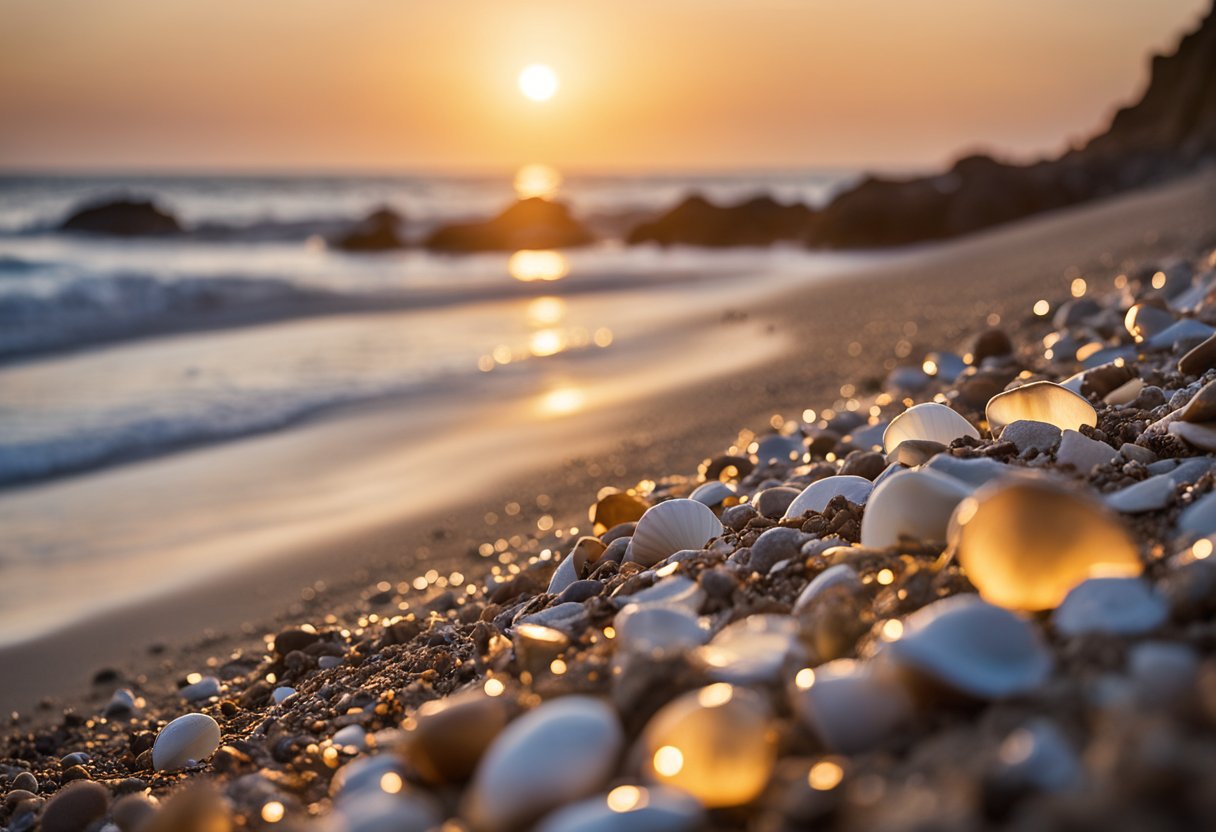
<point>848,705</point>
<point>914,504</point>
<point>1026,543</point>
<point>1040,401</point>
<point>670,526</point>
<point>185,741</point>
<point>930,420</point>
<point>974,647</point>
<point>817,495</point>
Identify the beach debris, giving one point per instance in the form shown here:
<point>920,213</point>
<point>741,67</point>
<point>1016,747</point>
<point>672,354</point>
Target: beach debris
<point>930,422</point>
<point>1026,543</point>
<point>670,526</point>
<point>1082,452</point>
<point>1029,436</point>
<point>186,741</point>
<point>1040,401</point>
<point>205,688</point>
<point>973,647</point>
<point>717,744</point>
<point>564,750</point>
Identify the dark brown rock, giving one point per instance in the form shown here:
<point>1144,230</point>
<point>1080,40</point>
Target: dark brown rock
<point>122,217</point>
<point>698,222</point>
<point>528,224</point>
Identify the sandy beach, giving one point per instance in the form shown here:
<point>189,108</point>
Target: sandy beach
<point>764,353</point>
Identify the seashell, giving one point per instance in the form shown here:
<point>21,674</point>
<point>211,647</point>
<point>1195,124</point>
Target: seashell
<point>186,741</point>
<point>562,751</point>
<point>714,494</point>
<point>629,808</point>
<point>670,526</point>
<point>841,575</point>
<point>851,706</point>
<point>1144,320</point>
<point>1125,393</point>
<point>675,591</point>
<point>716,744</point>
<point>911,504</point>
<point>973,647</point>
<point>569,618</point>
<point>1202,436</point>
<point>1082,453</point>
<point>914,452</point>
<point>1040,401</point>
<point>446,738</point>
<point>1038,756</point>
<point>614,509</point>
<point>778,448</point>
<point>753,650</point>
<point>658,630</point>
<point>574,566</point>
<point>204,688</point>
<point>817,495</point>
<point>1026,543</point>
<point>537,645</point>
<point>928,421</point>
<point>1202,406</point>
<point>1118,606</point>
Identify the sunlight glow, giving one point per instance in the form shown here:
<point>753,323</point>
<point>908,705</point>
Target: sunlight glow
<point>538,82</point>
<point>538,264</point>
<point>562,401</point>
<point>537,180</point>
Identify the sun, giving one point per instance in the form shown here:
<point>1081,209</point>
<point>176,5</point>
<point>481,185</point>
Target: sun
<point>538,82</point>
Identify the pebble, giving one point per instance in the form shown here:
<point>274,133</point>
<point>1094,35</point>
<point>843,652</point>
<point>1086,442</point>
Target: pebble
<point>1164,673</point>
<point>775,545</point>
<point>130,812</point>
<point>715,743</point>
<point>281,693</point>
<point>381,812</point>
<point>448,737</point>
<point>75,807</point>
<point>972,472</point>
<point>1202,436</point>
<point>773,502</point>
<point>674,590</point>
<point>205,688</point>
<point>736,517</point>
<point>76,758</point>
<point>657,631</point>
<point>1116,606</point>
<point>1199,518</point>
<point>1152,494</point>
<point>362,778</point>
<point>569,618</point>
<point>1027,436</point>
<point>186,741</point>
<point>1200,359</point>
<point>25,781</point>
<point>973,647</point>
<point>121,704</point>
<point>914,452</point>
<point>1083,453</point>
<point>563,750</point>
<point>1039,757</point>
<point>352,736</point>
<point>840,576</point>
<point>629,808</point>
<point>294,639</point>
<point>849,705</point>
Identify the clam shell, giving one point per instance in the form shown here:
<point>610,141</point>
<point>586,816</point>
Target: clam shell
<point>1026,543</point>
<point>753,650</point>
<point>562,751</point>
<point>715,743</point>
<point>1040,401</point>
<point>614,509</point>
<point>670,526</point>
<point>973,647</point>
<point>817,495</point>
<point>574,566</point>
<point>913,504</point>
<point>713,493</point>
<point>658,630</point>
<point>187,740</point>
<point>850,707</point>
<point>672,591</point>
<point>1119,606</point>
<point>928,421</point>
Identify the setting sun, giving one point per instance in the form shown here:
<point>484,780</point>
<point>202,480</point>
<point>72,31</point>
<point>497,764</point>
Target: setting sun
<point>538,82</point>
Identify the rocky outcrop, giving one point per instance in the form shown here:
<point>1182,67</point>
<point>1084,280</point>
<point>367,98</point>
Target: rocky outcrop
<point>122,217</point>
<point>696,221</point>
<point>528,224</point>
<point>378,231</point>
<point>1171,129</point>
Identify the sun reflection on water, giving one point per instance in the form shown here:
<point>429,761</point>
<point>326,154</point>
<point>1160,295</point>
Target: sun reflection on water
<point>538,264</point>
<point>546,311</point>
<point>563,401</point>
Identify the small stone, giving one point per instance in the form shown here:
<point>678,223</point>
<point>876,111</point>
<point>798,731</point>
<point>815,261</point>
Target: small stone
<point>121,704</point>
<point>850,707</point>
<point>772,502</point>
<point>1164,673</point>
<point>737,517</point>
<point>751,651</point>
<point>185,741</point>
<point>1202,406</point>
<point>913,452</point>
<point>75,807</point>
<point>1199,518</point>
<point>675,590</point>
<point>775,545</point>
<point>329,662</point>
<point>973,472</point>
<point>629,809</point>
<point>74,773</point>
<point>569,618</point>
<point>1200,359</point>
<point>449,736</point>
<point>131,812</point>
<point>1038,756</point>
<point>1152,494</point>
<point>1027,435</point>
<point>1201,436</point>
<point>1083,453</point>
<point>991,343</point>
<point>864,464</point>
<point>352,736</point>
<point>281,693</point>
<point>26,781</point>
<point>1117,606</point>
<point>76,758</point>
<point>205,688</point>
<point>294,639</point>
<point>1135,453</point>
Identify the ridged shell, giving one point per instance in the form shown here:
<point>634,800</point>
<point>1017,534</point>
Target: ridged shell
<point>974,647</point>
<point>1040,401</point>
<point>913,504</point>
<point>930,420</point>
<point>670,526</point>
<point>817,495</point>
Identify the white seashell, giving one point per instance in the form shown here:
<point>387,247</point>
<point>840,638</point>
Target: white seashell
<point>817,495</point>
<point>974,647</point>
<point>670,526</point>
<point>715,743</point>
<point>280,694</point>
<point>1040,401</point>
<point>753,650</point>
<point>1026,542</point>
<point>851,706</point>
<point>1119,606</point>
<point>658,630</point>
<point>185,741</point>
<point>574,566</point>
<point>914,504</point>
<point>122,703</point>
<point>840,575</point>
<point>712,493</point>
<point>672,591</point>
<point>562,751</point>
<point>929,420</point>
<point>629,809</point>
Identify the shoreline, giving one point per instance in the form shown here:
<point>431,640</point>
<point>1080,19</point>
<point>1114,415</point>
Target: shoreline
<point>932,286</point>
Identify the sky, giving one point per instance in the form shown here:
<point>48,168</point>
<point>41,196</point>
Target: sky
<point>421,85</point>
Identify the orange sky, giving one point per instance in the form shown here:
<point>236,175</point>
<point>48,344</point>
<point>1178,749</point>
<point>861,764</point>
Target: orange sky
<point>646,84</point>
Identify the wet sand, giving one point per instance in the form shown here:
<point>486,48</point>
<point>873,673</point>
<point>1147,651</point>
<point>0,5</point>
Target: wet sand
<point>824,336</point>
